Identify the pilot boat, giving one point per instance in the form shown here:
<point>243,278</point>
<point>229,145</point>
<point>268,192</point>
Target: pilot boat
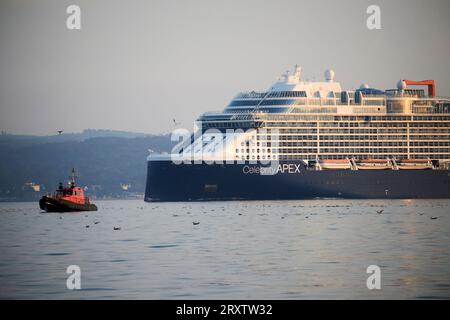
<point>67,199</point>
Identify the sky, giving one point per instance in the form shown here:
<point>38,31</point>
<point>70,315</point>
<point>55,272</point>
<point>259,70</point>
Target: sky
<point>137,65</point>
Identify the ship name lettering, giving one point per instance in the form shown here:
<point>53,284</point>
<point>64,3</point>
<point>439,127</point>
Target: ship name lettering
<point>282,168</point>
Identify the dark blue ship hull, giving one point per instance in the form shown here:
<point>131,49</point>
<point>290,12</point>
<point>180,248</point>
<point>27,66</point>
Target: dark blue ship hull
<point>167,181</point>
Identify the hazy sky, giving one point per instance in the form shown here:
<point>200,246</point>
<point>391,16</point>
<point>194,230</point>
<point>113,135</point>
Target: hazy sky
<point>136,65</point>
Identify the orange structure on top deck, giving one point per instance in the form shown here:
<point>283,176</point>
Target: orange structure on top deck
<point>430,83</point>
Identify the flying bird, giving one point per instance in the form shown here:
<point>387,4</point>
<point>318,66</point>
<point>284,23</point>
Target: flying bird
<point>195,223</point>
<point>59,132</point>
<point>380,211</point>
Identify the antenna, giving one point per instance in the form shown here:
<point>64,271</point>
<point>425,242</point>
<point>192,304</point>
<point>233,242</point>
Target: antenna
<point>72,177</point>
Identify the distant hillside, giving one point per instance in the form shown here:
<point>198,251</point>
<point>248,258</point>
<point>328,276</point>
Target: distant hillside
<point>105,161</point>
<point>21,140</point>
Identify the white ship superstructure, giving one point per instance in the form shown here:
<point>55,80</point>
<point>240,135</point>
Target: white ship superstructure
<point>299,120</point>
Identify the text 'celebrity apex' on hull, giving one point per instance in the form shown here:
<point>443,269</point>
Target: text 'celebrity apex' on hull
<point>303,140</point>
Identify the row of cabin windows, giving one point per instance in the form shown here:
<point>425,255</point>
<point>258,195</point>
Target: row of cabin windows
<point>359,130</point>
<point>364,150</point>
<point>290,125</point>
<point>253,150</point>
<point>425,125</point>
<point>309,118</point>
<point>443,130</point>
<point>369,151</point>
<point>392,118</point>
<point>362,131</point>
<point>262,144</point>
<point>271,102</point>
<point>429,137</point>
<point>345,149</point>
<point>263,157</point>
<point>429,143</point>
<point>364,144</point>
<point>362,156</point>
<point>355,137</point>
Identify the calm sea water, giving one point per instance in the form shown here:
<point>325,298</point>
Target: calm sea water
<point>240,250</point>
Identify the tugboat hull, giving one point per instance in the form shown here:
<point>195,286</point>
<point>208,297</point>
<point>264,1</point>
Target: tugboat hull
<point>51,204</point>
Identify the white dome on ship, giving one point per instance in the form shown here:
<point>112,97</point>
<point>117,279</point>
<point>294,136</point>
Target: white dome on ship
<point>401,85</point>
<point>329,75</point>
<point>364,86</point>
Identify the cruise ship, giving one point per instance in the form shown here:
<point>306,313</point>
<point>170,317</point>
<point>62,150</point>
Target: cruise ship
<point>306,140</point>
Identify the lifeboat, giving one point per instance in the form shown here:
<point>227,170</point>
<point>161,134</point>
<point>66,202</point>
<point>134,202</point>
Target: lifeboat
<point>69,199</point>
<point>335,164</point>
<point>373,164</point>
<point>414,164</point>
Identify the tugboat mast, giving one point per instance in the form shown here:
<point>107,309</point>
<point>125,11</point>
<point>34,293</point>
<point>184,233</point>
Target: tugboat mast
<point>72,178</point>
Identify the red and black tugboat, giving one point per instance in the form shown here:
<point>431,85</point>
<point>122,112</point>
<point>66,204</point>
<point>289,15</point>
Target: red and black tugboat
<point>69,199</point>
